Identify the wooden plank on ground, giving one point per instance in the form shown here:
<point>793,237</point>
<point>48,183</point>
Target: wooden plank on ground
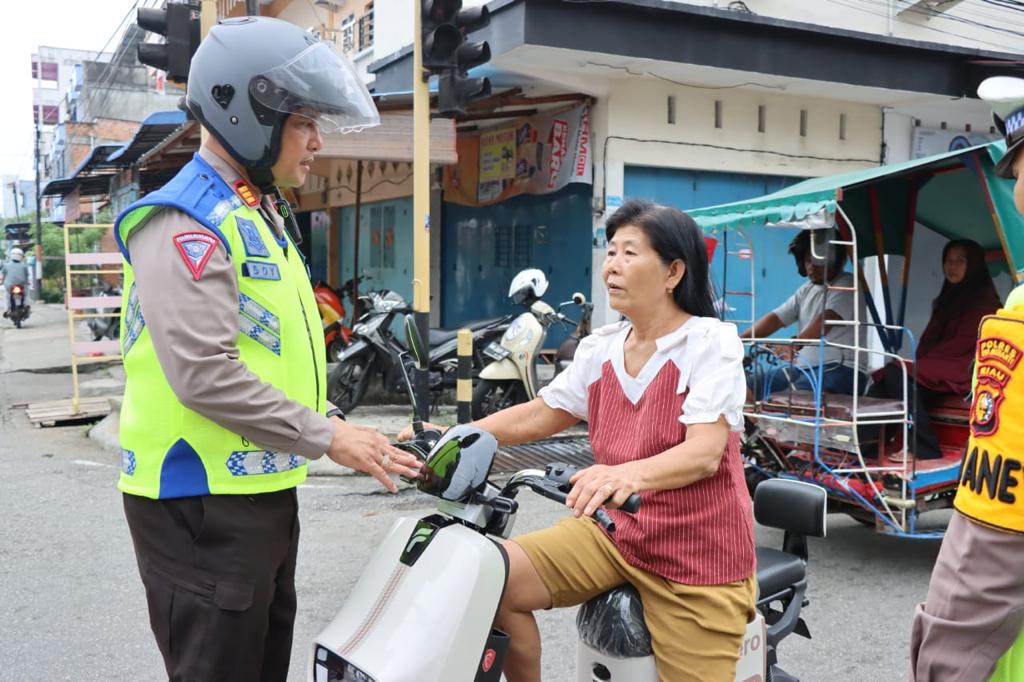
<point>56,412</point>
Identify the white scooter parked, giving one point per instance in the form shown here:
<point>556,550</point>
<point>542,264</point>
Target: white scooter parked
<point>424,608</point>
<point>511,377</point>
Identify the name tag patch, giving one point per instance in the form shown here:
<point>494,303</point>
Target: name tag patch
<point>251,239</point>
<point>258,270</point>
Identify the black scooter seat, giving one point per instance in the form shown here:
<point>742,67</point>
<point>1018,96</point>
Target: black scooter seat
<point>439,336</point>
<point>777,570</point>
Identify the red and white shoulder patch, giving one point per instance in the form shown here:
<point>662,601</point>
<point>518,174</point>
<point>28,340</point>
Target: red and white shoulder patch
<point>196,249</point>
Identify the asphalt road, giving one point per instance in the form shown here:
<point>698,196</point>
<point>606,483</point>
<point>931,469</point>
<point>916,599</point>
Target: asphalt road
<point>72,606</point>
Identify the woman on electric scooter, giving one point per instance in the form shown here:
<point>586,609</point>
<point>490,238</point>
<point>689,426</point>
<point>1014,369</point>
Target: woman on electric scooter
<point>663,394</point>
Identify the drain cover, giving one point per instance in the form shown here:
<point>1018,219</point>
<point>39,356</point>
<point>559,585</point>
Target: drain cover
<point>573,450</point>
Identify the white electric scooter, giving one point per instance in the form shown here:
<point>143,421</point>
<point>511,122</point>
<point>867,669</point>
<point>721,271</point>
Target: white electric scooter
<point>424,608</point>
<point>511,376</point>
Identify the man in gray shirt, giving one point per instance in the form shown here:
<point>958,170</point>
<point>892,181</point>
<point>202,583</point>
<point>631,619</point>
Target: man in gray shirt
<point>813,306</point>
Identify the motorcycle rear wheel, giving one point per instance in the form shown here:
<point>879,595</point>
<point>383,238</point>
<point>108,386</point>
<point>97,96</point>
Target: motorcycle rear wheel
<point>347,383</point>
<point>490,396</point>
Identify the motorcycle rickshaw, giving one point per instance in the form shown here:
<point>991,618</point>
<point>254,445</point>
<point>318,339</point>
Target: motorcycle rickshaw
<point>873,214</point>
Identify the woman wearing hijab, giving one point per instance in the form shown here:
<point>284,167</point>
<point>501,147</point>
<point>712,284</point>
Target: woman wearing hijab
<point>946,348</point>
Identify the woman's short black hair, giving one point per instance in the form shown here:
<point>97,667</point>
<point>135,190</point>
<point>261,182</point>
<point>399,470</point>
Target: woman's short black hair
<point>801,246</point>
<point>673,235</point>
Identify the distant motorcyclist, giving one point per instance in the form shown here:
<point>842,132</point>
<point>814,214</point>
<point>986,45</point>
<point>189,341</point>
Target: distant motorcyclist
<point>14,271</point>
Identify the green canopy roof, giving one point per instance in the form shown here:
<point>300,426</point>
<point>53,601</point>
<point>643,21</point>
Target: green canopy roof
<point>957,194</point>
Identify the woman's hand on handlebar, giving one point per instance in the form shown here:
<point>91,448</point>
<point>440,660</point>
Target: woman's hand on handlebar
<point>407,433</point>
<point>599,485</point>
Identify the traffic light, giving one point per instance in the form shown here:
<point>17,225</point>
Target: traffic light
<point>179,23</point>
<point>17,232</point>
<point>447,55</point>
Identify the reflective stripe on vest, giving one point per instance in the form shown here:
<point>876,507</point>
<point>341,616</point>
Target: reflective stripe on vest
<point>172,451</point>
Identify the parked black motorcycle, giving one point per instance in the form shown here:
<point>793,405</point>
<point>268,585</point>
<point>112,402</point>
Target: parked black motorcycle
<point>17,309</point>
<point>567,349</point>
<point>375,350</point>
<point>107,323</point>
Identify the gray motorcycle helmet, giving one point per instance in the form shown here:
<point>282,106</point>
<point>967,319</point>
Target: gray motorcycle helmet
<point>250,73</point>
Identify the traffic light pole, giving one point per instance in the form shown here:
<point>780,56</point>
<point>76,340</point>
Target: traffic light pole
<point>421,204</point>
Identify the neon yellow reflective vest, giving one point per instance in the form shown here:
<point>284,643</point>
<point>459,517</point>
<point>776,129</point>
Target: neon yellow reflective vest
<point>168,450</point>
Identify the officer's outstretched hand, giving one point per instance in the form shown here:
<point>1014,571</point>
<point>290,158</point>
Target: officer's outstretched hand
<point>407,433</point>
<point>365,449</point>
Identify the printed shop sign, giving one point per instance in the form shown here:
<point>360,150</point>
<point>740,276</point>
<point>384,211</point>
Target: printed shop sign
<point>498,155</point>
<point>535,155</point>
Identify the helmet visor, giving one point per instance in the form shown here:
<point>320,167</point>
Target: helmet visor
<point>320,84</point>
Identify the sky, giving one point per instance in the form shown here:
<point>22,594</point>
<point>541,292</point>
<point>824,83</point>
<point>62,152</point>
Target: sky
<point>75,24</point>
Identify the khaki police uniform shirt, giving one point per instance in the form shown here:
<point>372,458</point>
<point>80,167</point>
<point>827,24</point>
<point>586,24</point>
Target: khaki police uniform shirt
<point>194,327</point>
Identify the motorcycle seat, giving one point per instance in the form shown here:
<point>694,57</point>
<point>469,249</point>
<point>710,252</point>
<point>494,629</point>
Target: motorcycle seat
<point>777,570</point>
<point>439,336</point>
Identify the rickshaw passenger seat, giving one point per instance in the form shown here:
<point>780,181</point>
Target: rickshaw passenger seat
<point>952,408</point>
<point>835,405</point>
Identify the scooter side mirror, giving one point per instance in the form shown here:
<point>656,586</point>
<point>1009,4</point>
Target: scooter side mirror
<point>414,342</point>
<point>578,298</point>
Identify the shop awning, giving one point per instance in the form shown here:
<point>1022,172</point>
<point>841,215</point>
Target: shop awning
<point>392,140</point>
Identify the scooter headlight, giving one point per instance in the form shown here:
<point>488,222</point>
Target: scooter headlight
<point>515,329</point>
<point>330,667</point>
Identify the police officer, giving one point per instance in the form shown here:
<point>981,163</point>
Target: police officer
<point>224,356</point>
<point>974,610</point>
<point>15,271</point>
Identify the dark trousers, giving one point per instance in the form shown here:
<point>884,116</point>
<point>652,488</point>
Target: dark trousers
<point>891,387</point>
<point>219,573</point>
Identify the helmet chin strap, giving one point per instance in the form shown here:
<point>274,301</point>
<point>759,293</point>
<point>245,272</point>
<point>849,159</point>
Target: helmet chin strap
<point>263,178</point>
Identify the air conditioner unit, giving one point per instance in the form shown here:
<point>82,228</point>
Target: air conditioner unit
<point>925,6</point>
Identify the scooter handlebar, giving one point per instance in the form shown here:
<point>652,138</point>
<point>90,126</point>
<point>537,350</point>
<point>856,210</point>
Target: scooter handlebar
<point>632,504</point>
<point>419,446</point>
<point>555,485</point>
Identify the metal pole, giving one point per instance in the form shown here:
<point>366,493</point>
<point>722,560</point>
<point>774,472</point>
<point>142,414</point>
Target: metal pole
<point>37,276</point>
<point>252,8</point>
<point>421,201</point>
<point>357,225</point>
<point>464,380</point>
<point>14,190</point>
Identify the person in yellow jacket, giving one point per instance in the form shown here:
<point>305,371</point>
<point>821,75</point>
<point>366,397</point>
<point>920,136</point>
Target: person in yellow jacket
<point>969,626</point>
<point>224,356</point>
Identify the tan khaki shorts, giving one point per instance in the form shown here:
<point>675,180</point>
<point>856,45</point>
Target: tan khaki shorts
<point>696,630</point>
